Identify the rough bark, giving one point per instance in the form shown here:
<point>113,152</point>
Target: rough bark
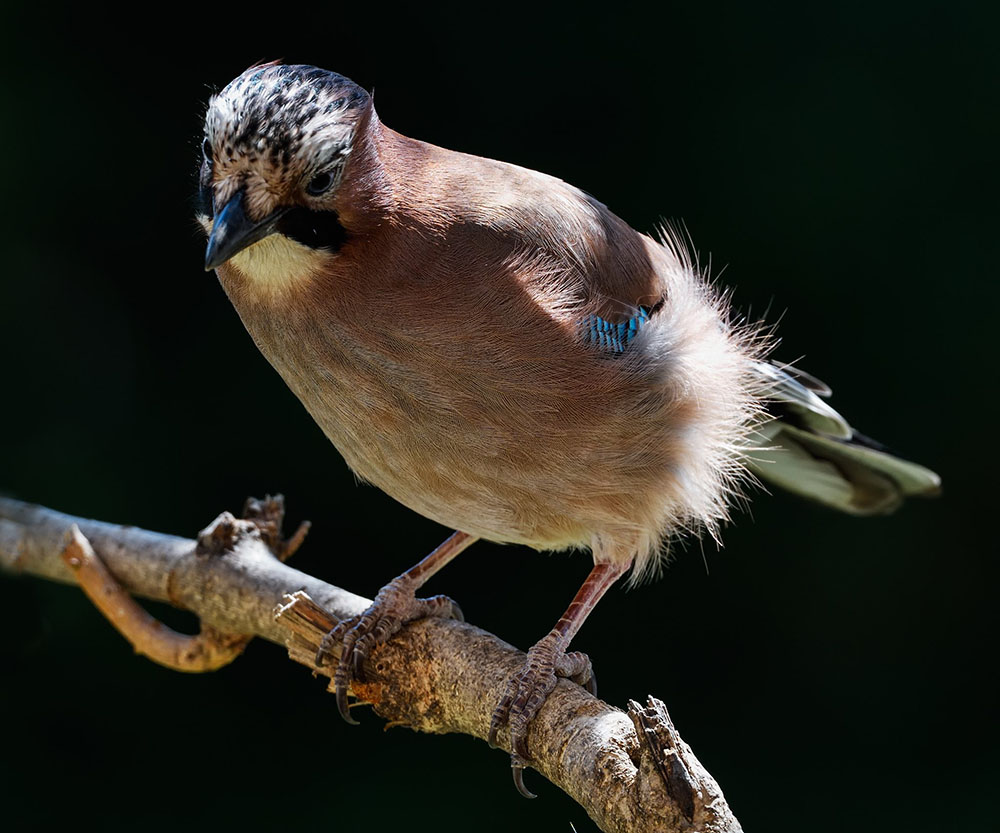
<point>630,771</point>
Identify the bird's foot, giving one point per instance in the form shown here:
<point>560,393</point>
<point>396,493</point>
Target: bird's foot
<point>355,638</point>
<point>528,690</point>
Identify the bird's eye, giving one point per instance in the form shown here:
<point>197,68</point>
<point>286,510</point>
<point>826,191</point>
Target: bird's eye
<point>320,184</point>
<point>206,148</point>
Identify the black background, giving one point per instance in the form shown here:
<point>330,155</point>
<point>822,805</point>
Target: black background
<point>838,160</point>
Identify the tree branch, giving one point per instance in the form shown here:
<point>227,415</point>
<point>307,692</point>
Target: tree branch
<point>210,650</point>
<point>630,771</point>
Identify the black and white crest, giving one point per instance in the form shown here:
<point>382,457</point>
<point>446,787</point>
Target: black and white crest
<point>286,113</point>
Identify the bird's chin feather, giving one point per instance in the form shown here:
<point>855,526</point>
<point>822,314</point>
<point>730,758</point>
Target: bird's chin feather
<point>277,265</point>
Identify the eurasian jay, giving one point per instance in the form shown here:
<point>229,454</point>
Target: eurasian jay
<point>499,352</point>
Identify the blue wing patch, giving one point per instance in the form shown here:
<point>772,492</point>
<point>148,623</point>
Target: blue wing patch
<point>613,337</point>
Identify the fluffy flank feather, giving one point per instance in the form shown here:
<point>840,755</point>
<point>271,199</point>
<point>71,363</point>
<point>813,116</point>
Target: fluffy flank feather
<point>708,357</point>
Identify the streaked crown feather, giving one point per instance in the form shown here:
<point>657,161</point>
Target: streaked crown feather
<point>289,116</point>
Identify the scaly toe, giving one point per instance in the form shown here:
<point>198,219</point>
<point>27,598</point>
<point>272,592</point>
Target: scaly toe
<point>356,638</point>
<point>526,693</point>
<point>331,641</point>
<point>502,711</point>
<point>576,666</point>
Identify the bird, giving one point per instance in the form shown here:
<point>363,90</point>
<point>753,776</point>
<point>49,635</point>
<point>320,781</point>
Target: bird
<point>499,352</point>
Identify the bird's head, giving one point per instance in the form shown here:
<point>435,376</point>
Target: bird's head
<point>277,141</point>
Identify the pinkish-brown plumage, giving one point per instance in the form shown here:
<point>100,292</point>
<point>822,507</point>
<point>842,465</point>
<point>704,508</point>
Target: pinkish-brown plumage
<point>440,349</point>
<point>435,312</point>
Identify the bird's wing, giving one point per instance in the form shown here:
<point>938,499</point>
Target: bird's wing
<point>614,334</point>
<point>798,404</point>
<point>808,448</point>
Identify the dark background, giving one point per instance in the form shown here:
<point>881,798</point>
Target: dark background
<point>839,161</point>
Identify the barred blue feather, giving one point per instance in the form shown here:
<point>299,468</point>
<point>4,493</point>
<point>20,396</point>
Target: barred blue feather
<point>613,337</point>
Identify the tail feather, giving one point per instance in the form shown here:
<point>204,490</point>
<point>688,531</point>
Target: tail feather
<point>807,448</point>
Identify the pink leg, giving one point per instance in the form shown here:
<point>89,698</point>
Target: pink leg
<point>547,660</point>
<point>394,606</point>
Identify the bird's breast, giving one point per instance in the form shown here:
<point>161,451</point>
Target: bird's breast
<point>472,399</point>
<point>476,423</point>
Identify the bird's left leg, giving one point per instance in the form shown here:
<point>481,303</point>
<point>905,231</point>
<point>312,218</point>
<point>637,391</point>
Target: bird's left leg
<point>394,606</point>
<point>548,660</point>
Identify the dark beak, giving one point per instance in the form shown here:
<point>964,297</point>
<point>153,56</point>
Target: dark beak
<point>233,231</point>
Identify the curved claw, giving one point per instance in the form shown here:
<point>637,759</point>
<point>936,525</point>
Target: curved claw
<point>591,684</point>
<point>456,611</point>
<point>343,707</point>
<point>517,769</point>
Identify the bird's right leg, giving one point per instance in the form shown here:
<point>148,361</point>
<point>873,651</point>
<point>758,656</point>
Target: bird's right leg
<point>394,606</point>
<point>529,688</point>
